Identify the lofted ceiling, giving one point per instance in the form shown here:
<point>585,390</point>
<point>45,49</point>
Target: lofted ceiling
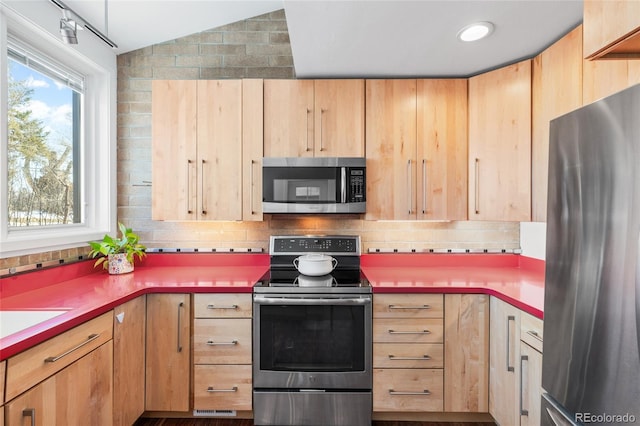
<point>366,38</point>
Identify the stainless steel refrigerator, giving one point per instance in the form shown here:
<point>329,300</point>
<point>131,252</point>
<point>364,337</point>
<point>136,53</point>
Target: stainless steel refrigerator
<point>591,361</point>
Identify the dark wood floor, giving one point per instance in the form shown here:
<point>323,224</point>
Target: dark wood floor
<point>226,422</point>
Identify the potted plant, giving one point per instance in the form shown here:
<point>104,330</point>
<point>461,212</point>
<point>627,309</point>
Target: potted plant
<point>117,254</point>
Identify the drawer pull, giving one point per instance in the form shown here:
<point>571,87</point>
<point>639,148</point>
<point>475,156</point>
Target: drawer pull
<point>222,307</point>
<point>409,332</point>
<point>409,307</point>
<point>410,358</point>
<point>30,412</point>
<point>231,343</point>
<point>423,393</point>
<point>535,335</point>
<point>90,339</point>
<point>233,389</point>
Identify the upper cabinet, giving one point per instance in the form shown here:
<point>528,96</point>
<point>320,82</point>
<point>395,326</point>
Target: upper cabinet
<point>416,149</point>
<point>611,29</point>
<point>556,90</point>
<point>198,134</point>
<point>307,118</point>
<point>500,144</point>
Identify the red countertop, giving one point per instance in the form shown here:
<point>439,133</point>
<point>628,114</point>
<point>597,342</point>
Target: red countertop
<point>87,293</point>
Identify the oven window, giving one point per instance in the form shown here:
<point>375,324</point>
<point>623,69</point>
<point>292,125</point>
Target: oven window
<point>300,185</point>
<point>312,338</point>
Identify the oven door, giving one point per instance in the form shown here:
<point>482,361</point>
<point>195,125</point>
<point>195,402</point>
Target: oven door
<point>312,341</point>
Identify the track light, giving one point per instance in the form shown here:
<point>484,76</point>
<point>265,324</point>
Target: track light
<point>68,28</point>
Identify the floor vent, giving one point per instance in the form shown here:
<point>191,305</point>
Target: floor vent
<point>214,413</point>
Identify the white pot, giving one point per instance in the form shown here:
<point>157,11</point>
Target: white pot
<point>118,264</point>
<point>315,265</point>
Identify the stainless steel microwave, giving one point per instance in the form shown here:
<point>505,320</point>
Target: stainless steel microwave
<point>314,185</point>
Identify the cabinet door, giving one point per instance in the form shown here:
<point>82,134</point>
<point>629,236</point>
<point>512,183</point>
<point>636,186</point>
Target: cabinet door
<point>500,144</point>
<point>556,90</point>
<point>466,350</point>
<point>252,148</point>
<point>128,361</point>
<point>530,385</point>
<point>78,395</point>
<point>442,149</point>
<point>174,153</point>
<point>612,29</point>
<point>168,352</point>
<point>503,366</point>
<point>339,118</point>
<point>288,118</point>
<point>391,149</point>
<point>219,161</point>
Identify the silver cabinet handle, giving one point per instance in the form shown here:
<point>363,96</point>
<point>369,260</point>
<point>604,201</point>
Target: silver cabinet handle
<point>91,338</point>
<point>477,188</point>
<point>523,358</point>
<point>251,187</point>
<point>180,305</point>
<point>534,334</point>
<point>410,307</point>
<point>423,393</point>
<point>509,319</point>
<point>211,306</point>
<point>30,412</point>
<point>307,129</point>
<point>202,192</point>
<point>424,186</point>
<point>322,111</point>
<point>409,193</point>
<point>409,332</point>
<point>410,358</point>
<point>233,389</point>
<point>189,211</point>
<point>212,343</point>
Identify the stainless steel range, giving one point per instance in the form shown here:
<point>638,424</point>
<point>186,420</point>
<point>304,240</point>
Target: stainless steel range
<point>312,350</point>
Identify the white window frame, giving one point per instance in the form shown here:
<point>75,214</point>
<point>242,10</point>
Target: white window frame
<point>98,177</point>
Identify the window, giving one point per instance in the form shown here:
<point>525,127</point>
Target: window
<point>44,140</point>
<point>57,128</point>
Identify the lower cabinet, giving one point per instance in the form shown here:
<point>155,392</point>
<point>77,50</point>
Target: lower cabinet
<point>129,328</point>
<point>222,352</point>
<point>168,352</point>
<point>80,394</point>
<point>530,369</point>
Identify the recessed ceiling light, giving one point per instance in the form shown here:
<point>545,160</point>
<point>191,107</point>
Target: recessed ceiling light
<point>475,31</point>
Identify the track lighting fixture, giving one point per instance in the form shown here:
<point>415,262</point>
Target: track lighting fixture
<point>68,28</point>
<point>71,22</point>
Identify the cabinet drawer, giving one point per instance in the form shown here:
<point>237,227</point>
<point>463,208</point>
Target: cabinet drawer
<point>408,355</point>
<point>222,305</point>
<point>531,331</point>
<point>408,330</point>
<point>222,341</point>
<point>408,390</point>
<point>222,387</point>
<point>408,306</point>
<point>36,364</point>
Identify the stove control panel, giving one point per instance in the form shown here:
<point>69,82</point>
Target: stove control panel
<point>343,245</point>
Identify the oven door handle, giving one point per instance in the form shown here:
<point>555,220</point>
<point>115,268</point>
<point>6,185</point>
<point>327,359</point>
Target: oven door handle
<point>270,300</point>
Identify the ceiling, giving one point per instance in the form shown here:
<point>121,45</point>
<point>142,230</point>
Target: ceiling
<point>367,38</point>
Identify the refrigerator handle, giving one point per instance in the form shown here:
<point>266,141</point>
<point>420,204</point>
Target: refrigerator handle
<point>638,294</point>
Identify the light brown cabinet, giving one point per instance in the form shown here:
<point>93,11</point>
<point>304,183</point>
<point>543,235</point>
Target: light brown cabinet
<point>129,329</point>
<point>504,357</point>
<point>408,353</point>
<point>556,90</point>
<point>222,352</point>
<point>530,391</point>
<point>198,150</point>
<point>500,144</point>
<point>611,29</point>
<point>168,352</point>
<point>416,149</point>
<point>80,394</point>
<point>314,118</point>
<point>604,78</point>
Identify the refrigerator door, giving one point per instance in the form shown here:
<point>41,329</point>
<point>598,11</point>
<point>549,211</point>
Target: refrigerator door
<point>591,360</point>
<point>553,415</point>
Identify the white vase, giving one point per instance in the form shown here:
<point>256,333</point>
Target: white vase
<point>118,264</point>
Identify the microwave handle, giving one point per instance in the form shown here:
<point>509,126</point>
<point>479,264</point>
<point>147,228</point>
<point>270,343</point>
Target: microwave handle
<point>343,185</point>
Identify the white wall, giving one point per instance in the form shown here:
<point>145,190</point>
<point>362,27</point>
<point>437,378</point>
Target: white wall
<point>533,238</point>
